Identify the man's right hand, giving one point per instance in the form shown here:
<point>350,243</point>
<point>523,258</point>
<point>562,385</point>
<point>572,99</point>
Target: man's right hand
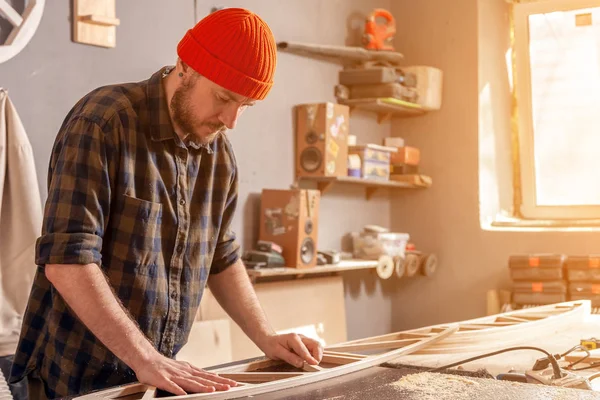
<point>179,377</point>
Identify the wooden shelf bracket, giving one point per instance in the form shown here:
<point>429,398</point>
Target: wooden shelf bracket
<point>370,191</point>
<point>383,117</point>
<point>324,186</point>
<point>95,22</point>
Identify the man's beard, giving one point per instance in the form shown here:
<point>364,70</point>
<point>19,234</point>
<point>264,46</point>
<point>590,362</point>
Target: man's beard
<point>183,117</point>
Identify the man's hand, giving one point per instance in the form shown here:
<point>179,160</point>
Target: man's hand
<point>292,348</point>
<point>179,377</point>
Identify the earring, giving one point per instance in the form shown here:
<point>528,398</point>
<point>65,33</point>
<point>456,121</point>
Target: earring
<point>181,74</point>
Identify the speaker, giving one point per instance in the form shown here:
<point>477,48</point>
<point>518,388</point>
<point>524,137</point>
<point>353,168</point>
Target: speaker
<point>321,139</point>
<point>290,219</point>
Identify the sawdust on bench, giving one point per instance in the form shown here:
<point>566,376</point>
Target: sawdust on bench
<point>430,386</point>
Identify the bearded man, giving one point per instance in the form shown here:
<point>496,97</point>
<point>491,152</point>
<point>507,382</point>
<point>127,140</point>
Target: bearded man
<point>142,189</point>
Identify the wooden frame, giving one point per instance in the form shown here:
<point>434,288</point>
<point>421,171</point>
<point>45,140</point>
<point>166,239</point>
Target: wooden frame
<point>256,382</point>
<point>490,332</point>
<point>480,334</point>
<point>529,207</point>
<point>24,27</point>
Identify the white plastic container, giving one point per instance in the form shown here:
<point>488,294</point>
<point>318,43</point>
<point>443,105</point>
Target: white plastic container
<point>370,246</point>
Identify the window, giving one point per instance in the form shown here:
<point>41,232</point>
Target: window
<point>557,54</point>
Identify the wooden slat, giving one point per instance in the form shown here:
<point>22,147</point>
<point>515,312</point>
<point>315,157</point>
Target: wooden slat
<point>342,354</point>
<point>390,344</point>
<point>10,13</point>
<point>312,368</point>
<point>338,360</point>
<point>150,394</point>
<point>507,318</point>
<point>255,377</point>
<point>100,20</point>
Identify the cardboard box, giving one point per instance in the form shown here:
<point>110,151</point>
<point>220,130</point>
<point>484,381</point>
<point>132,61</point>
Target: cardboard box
<point>374,160</point>
<point>406,155</point>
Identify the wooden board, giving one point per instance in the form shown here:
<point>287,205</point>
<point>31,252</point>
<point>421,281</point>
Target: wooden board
<point>94,22</point>
<point>343,266</point>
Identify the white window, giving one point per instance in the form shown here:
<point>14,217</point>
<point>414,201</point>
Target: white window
<point>557,55</point>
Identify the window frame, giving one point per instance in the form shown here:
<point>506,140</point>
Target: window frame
<point>522,80</point>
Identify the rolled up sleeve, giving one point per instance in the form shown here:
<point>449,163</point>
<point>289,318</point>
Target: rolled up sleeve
<point>79,190</point>
<point>227,250</point>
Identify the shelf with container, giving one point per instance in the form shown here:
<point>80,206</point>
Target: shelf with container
<point>371,185</point>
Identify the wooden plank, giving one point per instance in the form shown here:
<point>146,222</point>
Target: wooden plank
<point>253,366</point>
<point>338,360</point>
<point>510,319</point>
<point>380,345</point>
<point>311,368</point>
<point>100,20</point>
<point>150,394</point>
<point>116,392</point>
<point>258,377</point>
<point>87,29</point>
<point>393,106</point>
<point>343,266</point>
<point>342,354</point>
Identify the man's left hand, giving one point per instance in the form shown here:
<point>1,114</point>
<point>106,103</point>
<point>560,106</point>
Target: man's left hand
<point>293,348</point>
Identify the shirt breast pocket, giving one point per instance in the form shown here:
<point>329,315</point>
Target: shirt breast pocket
<point>138,231</point>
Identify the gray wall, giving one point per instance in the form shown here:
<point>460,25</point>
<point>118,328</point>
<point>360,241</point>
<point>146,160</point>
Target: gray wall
<point>52,73</point>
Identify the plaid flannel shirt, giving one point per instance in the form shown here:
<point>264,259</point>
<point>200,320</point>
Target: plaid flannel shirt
<point>153,212</point>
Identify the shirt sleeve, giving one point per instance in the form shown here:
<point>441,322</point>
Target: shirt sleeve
<point>227,250</point>
<point>79,189</point>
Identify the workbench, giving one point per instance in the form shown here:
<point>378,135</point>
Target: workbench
<point>408,377</point>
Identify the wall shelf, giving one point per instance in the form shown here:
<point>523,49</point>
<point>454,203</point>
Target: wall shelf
<point>371,186</point>
<point>343,266</point>
<point>385,108</point>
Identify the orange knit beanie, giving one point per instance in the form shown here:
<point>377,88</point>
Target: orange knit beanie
<point>234,48</point>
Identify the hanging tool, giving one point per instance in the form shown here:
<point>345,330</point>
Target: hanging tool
<point>379,36</point>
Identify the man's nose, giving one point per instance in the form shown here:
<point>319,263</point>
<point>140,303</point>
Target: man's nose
<point>230,115</point>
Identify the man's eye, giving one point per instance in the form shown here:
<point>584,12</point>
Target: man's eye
<point>222,99</point>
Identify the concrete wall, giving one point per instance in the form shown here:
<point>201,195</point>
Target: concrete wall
<point>52,73</point>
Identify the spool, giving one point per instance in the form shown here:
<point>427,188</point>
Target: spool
<point>399,266</point>
<point>412,264</point>
<point>429,265</point>
<point>385,267</point>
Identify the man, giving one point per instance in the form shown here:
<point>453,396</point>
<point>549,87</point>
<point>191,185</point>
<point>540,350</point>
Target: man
<point>142,191</point>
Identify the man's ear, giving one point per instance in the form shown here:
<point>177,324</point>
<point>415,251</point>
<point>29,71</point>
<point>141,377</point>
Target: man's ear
<point>184,67</point>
